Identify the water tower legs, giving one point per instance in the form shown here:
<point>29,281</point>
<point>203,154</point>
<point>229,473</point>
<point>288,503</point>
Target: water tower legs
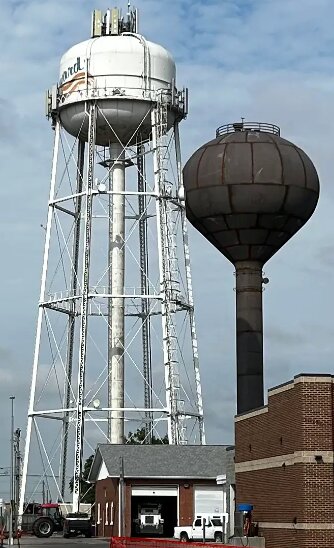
<point>75,256</point>
<point>116,318</point>
<point>249,335</point>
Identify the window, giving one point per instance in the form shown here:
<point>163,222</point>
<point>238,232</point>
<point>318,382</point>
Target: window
<point>198,523</point>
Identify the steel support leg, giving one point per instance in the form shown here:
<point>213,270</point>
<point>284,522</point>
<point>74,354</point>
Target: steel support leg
<point>191,314</point>
<point>79,433</point>
<point>145,306</point>
<point>163,257</point>
<point>72,316</point>
<point>39,322</point>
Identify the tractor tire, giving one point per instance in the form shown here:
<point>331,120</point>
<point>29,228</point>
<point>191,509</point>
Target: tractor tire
<point>184,537</point>
<point>218,537</point>
<point>43,527</point>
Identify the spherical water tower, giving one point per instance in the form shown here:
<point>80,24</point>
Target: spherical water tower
<point>117,100</point>
<point>248,192</point>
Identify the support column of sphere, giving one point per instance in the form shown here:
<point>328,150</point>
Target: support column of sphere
<point>116,318</point>
<point>249,326</point>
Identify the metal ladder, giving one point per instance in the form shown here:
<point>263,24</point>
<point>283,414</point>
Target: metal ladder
<point>170,272</point>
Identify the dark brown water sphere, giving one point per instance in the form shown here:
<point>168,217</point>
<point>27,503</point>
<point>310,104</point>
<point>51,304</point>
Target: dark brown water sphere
<point>248,192</point>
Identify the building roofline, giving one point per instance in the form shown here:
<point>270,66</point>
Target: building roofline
<point>156,453</point>
<point>301,378</point>
<point>251,413</point>
<point>288,385</point>
<point>163,445</point>
<point>196,478</point>
<point>313,375</point>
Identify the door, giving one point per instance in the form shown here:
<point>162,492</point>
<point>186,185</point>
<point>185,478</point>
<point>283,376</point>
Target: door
<point>210,499</point>
<point>197,530</point>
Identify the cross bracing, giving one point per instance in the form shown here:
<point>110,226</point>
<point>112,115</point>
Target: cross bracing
<point>70,406</point>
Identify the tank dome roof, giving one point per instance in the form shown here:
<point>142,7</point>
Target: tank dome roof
<point>249,191</point>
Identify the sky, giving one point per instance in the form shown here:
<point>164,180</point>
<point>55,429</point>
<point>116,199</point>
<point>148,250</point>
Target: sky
<point>264,60</point>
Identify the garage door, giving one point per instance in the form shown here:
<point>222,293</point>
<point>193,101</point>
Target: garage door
<point>209,500</point>
<point>154,491</point>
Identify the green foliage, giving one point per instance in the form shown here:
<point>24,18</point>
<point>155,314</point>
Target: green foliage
<point>139,437</point>
<point>87,490</point>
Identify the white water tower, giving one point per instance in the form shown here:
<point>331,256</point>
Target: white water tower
<point>116,345</point>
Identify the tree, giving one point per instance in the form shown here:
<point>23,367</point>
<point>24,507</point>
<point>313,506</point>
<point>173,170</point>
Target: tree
<point>87,490</point>
<point>139,437</point>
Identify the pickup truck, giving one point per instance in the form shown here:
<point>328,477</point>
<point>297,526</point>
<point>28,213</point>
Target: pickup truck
<point>214,529</point>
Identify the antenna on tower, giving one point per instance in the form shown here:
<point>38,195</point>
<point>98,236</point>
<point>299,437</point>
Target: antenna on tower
<point>112,22</point>
<point>129,14</point>
<point>132,19</point>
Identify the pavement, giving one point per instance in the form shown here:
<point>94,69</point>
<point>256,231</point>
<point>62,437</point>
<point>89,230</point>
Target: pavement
<point>57,541</point>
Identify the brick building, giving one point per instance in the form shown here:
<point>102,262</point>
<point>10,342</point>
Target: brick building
<point>284,463</point>
<point>182,479</point>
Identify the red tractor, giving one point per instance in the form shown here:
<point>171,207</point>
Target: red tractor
<point>42,520</point>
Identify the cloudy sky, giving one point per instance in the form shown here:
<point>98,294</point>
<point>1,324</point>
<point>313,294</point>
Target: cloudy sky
<point>265,60</point>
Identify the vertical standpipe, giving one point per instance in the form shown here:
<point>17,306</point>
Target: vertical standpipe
<point>249,335</point>
<point>116,319</point>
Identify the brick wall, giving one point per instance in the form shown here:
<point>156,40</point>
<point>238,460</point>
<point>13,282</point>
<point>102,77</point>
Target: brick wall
<point>276,466</point>
<point>106,496</point>
<point>186,503</point>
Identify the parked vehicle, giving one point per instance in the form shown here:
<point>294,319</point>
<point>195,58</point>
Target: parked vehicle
<point>42,520</point>
<point>149,521</point>
<point>77,523</point>
<point>213,527</point>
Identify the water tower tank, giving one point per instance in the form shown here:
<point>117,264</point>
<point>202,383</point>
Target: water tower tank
<point>125,74</point>
<point>248,192</point>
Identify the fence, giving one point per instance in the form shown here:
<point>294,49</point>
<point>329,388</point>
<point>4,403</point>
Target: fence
<point>129,542</point>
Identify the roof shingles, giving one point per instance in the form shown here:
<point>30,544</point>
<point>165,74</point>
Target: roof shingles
<point>162,461</point>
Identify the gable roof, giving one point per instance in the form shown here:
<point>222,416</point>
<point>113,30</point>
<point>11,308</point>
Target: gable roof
<point>161,461</point>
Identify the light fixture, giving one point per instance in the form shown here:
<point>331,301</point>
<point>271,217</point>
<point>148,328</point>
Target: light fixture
<point>101,187</point>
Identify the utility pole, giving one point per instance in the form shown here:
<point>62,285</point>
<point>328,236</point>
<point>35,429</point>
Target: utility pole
<point>11,486</point>
<point>121,520</point>
<point>17,473</point>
